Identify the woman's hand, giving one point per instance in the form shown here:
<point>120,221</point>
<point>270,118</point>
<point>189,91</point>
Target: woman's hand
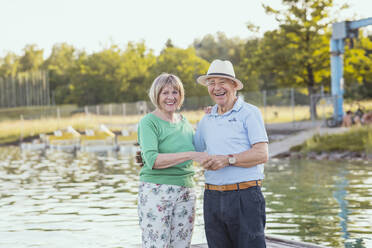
<point>200,157</point>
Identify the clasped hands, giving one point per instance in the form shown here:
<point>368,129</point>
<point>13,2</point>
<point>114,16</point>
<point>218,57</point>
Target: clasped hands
<point>208,162</point>
<point>211,162</point>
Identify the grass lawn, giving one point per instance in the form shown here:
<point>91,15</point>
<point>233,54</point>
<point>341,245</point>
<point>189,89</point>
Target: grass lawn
<point>357,139</point>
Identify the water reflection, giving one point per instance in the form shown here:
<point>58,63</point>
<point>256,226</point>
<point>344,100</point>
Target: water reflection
<point>320,202</point>
<point>59,199</point>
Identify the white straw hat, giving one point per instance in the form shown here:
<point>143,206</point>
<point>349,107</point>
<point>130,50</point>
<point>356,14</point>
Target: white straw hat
<point>219,68</point>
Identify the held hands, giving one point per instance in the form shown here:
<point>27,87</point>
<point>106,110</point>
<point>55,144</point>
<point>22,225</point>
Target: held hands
<point>211,162</point>
<point>215,162</point>
<point>208,162</point>
<point>199,157</point>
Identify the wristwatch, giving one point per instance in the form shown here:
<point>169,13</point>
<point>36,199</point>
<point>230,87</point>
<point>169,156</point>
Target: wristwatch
<point>232,159</point>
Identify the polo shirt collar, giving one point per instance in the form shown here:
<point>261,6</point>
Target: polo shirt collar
<point>237,106</point>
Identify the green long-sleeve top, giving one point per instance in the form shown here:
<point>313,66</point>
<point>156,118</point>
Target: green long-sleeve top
<point>159,136</point>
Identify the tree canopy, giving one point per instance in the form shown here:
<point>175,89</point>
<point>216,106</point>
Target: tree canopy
<point>296,54</point>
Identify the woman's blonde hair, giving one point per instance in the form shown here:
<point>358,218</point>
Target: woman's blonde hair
<point>160,82</point>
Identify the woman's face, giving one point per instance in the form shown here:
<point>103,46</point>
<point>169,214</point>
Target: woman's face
<point>169,99</point>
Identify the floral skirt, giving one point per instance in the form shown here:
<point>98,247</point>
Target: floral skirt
<point>166,215</point>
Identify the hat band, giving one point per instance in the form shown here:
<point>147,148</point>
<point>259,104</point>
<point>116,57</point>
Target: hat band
<point>220,74</point>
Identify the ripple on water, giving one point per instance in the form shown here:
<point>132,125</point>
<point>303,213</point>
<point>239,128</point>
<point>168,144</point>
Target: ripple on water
<point>57,199</point>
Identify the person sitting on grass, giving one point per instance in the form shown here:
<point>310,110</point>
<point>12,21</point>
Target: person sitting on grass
<point>367,118</point>
<point>347,121</point>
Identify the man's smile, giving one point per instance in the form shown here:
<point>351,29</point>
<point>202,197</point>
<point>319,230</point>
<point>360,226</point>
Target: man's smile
<point>220,93</point>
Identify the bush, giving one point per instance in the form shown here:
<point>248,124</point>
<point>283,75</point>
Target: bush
<point>358,139</point>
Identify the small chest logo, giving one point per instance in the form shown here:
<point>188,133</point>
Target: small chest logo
<point>233,120</point>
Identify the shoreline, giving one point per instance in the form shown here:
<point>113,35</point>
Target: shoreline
<point>331,156</point>
<point>282,138</point>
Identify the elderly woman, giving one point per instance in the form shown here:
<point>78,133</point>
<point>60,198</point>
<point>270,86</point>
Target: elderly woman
<point>166,198</point>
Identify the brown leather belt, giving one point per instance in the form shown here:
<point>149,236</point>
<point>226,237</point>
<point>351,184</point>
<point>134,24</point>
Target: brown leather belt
<point>235,186</point>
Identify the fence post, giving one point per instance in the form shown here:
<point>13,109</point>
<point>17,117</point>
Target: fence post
<point>58,117</point>
<point>323,100</point>
<point>264,104</point>
<point>2,93</point>
<point>86,110</point>
<point>124,109</point>
<point>293,107</point>
<point>110,109</point>
<point>21,134</point>
<point>97,109</point>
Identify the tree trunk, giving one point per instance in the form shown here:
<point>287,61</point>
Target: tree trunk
<point>312,92</point>
<point>313,100</point>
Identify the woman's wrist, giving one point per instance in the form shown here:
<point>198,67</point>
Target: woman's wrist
<point>192,155</point>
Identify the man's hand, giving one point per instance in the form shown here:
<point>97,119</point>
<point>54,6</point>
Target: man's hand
<point>215,162</point>
<point>208,109</point>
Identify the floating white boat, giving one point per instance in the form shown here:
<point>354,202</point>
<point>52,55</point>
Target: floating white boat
<point>62,140</point>
<point>34,146</point>
<point>126,138</point>
<point>102,139</point>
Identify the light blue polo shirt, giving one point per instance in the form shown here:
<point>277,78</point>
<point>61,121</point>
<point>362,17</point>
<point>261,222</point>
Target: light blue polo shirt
<point>232,132</point>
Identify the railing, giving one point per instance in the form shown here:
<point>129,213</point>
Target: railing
<point>282,105</point>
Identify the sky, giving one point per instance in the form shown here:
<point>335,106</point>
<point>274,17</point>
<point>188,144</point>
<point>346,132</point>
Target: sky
<point>96,24</point>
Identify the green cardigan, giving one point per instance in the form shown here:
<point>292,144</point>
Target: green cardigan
<point>159,136</point>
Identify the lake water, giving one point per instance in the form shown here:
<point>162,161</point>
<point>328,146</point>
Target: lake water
<point>59,199</point>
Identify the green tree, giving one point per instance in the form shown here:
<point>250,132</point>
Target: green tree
<point>9,65</point>
<point>97,77</point>
<point>298,52</point>
<point>60,66</point>
<point>111,75</point>
<point>137,61</point>
<point>186,65</point>
<point>219,46</point>
<point>250,70</point>
<point>32,58</point>
<point>169,43</point>
<point>358,68</point>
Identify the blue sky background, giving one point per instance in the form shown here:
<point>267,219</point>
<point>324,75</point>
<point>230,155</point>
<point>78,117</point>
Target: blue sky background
<point>95,24</point>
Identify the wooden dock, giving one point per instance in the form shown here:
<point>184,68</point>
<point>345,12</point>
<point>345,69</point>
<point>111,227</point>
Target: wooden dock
<point>272,242</point>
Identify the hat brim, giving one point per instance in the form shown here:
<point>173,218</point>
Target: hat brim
<point>203,80</point>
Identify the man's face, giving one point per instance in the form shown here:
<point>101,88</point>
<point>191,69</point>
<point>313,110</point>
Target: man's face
<point>222,90</point>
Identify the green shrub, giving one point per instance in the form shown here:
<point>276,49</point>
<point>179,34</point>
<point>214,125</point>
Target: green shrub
<point>358,139</point>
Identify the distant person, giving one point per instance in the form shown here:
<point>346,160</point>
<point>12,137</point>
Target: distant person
<point>347,120</point>
<point>358,116</point>
<point>367,118</point>
<point>166,197</point>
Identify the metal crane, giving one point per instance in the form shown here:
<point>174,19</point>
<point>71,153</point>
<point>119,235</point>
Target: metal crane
<point>340,32</point>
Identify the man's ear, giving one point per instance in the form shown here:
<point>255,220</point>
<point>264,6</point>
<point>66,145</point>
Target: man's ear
<point>235,84</point>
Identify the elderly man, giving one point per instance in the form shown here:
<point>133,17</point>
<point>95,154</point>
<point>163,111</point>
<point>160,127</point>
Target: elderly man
<point>234,135</point>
